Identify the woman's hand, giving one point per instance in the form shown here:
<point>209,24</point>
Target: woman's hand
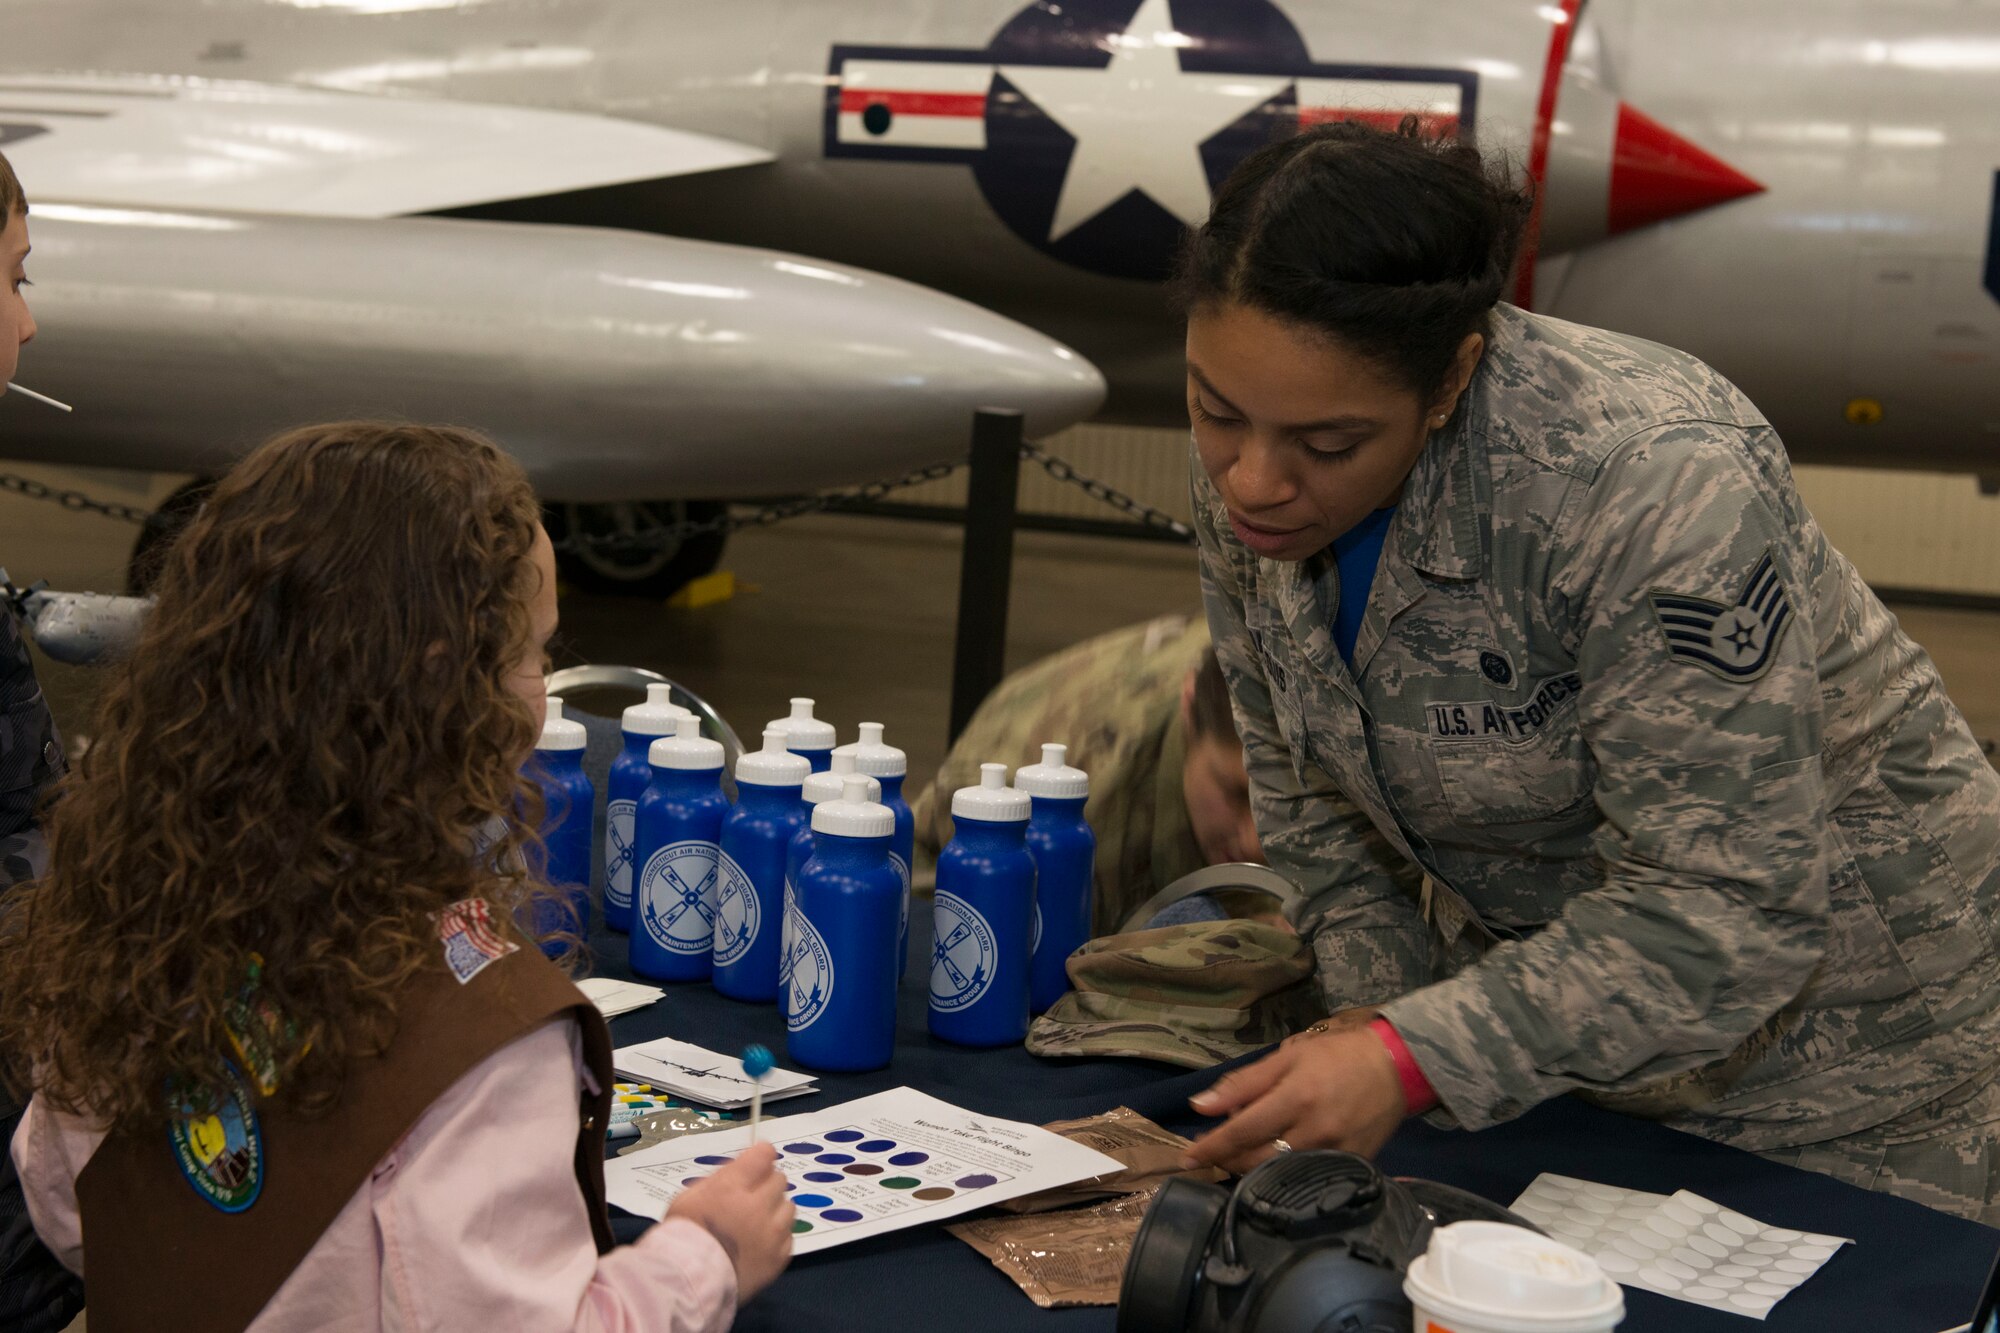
<point>1335,1089</point>
<point>743,1205</point>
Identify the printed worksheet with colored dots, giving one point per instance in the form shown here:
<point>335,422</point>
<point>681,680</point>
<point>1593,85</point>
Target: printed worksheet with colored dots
<point>897,1159</point>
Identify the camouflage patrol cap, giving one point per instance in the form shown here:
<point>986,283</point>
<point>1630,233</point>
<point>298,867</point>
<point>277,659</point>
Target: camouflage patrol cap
<point>1194,994</point>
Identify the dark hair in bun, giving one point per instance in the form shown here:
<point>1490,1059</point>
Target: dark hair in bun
<point>1391,243</point>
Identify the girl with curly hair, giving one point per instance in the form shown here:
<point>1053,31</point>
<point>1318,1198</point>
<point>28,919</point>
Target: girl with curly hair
<point>281,1028</point>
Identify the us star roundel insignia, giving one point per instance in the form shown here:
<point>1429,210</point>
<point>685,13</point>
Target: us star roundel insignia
<point>1097,130</point>
<point>1735,642</point>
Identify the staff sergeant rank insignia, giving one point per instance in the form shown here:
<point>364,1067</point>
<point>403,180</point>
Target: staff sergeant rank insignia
<point>1736,642</point>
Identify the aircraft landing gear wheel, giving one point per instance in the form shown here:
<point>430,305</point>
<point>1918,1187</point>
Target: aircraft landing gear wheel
<point>149,551</point>
<point>648,570</point>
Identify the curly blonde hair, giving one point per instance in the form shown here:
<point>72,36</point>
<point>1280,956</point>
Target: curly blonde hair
<point>312,738</point>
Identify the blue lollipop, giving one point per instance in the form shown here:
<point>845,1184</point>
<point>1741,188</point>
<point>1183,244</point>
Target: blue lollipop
<point>757,1062</point>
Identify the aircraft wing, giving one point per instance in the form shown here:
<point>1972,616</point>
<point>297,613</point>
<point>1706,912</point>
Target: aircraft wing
<point>232,146</point>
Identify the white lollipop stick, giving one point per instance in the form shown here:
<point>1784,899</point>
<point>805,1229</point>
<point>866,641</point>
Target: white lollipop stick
<point>38,397</point>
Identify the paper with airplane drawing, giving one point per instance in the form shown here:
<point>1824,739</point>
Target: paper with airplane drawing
<point>704,1076</point>
<point>884,1163</point>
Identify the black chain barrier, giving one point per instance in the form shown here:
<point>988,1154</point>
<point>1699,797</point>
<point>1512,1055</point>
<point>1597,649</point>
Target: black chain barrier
<point>75,501</point>
<point>665,536</point>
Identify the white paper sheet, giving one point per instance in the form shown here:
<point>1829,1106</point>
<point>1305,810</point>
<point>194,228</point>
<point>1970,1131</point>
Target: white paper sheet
<point>879,1164</point>
<point>613,997</point>
<point>1683,1246</point>
<point>704,1076</point>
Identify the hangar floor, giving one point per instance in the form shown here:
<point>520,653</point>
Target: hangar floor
<point>857,612</point>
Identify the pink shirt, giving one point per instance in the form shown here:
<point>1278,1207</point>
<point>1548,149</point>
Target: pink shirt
<point>473,1221</point>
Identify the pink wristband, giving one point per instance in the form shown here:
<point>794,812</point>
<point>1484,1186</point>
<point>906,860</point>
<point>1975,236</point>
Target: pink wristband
<point>1418,1095</point>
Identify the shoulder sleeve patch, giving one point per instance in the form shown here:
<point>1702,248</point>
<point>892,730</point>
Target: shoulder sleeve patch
<point>1734,642</point>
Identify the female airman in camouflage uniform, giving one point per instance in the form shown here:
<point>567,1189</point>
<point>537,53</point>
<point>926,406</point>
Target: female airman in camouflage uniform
<point>1624,782</point>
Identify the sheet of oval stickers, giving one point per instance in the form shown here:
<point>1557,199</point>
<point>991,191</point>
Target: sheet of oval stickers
<point>1679,1245</point>
<point>879,1164</point>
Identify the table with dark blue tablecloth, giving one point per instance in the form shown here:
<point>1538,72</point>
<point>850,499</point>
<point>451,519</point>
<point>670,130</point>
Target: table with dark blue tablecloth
<point>1910,1268</point>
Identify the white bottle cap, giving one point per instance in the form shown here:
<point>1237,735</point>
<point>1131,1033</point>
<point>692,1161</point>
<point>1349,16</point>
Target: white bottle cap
<point>558,732</point>
<point>874,758</point>
<point>1488,1277</point>
<point>992,799</point>
<point>827,786</point>
<point>802,730</point>
<point>1053,777</point>
<point>774,765</point>
<point>687,748</point>
<point>656,716</point>
<point>854,815</point>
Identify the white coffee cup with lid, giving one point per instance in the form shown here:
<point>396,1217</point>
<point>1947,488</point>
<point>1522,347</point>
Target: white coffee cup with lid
<point>1488,1277</point>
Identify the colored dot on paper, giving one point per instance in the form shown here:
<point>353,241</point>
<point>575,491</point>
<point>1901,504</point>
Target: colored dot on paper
<point>834,1158</point>
<point>877,1145</point>
<point>845,1136</point>
<point>978,1182</point>
<point>900,1183</point>
<point>863,1169</point>
<point>801,1226</point>
<point>712,1161</point>
<point>822,1177</point>
<point>841,1215</point>
<point>689,1180</point>
<point>812,1201</point>
<point>803,1149</point>
<point>932,1193</point>
<point>909,1159</point>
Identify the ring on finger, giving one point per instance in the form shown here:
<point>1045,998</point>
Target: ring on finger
<point>1281,1145</point>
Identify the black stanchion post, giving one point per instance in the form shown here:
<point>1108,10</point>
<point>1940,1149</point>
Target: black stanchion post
<point>986,567</point>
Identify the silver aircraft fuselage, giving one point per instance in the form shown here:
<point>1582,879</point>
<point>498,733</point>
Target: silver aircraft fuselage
<point>1039,158</point>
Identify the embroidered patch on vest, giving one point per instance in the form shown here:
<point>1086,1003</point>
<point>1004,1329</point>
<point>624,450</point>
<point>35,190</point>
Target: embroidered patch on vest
<point>218,1145</point>
<point>470,942</point>
<point>264,1039</point>
<point>1496,668</point>
<point>1733,643</point>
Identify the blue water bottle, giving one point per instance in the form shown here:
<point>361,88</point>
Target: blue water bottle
<point>1065,852</point>
<point>983,912</point>
<point>841,969</point>
<point>570,804</point>
<point>756,842</point>
<point>630,776</point>
<point>817,791</point>
<point>679,830</point>
<point>889,766</point>
<point>806,735</point>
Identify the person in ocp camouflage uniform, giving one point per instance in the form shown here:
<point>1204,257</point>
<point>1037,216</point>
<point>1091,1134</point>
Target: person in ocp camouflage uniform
<point>1602,770</point>
<point>1144,712</point>
<point>36,1293</point>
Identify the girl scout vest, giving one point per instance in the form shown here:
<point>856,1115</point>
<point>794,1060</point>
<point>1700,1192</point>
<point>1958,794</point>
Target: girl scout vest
<point>252,1187</point>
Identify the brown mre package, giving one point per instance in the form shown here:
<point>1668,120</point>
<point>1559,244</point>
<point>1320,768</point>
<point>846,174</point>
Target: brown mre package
<point>1075,1257</point>
<point>1150,1154</point>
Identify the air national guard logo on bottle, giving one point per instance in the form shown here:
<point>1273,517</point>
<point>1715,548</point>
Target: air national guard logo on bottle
<point>218,1146</point>
<point>677,897</point>
<point>738,913</point>
<point>1098,129</point>
<point>805,972</point>
<point>962,959</point>
<point>1733,642</point>
<point>620,820</point>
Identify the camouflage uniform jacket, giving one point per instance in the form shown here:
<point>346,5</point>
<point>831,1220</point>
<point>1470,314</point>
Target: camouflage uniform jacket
<point>1115,700</point>
<point>1730,855</point>
<point>31,756</point>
